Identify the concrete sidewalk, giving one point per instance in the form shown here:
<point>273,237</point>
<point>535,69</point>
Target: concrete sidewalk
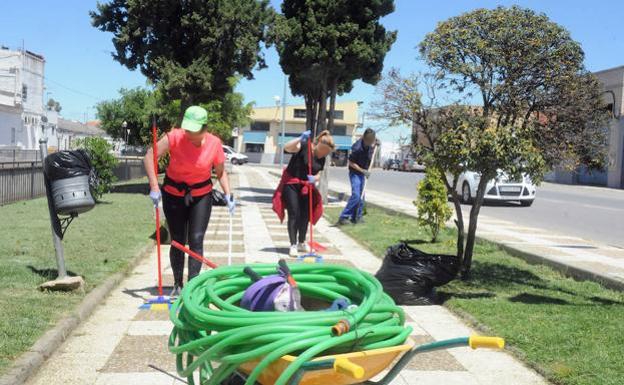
<point>118,342</point>
<point>573,256</point>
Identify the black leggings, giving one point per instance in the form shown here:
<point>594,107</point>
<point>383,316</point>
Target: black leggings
<point>186,223</point>
<point>297,207</point>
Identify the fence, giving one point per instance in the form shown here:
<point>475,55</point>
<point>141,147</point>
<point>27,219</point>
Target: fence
<point>18,155</point>
<point>20,180</point>
<point>129,167</point>
<point>24,180</point>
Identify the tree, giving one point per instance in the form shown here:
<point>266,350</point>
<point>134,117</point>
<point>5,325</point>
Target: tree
<point>191,49</point>
<point>538,106</point>
<point>103,162</point>
<point>432,203</point>
<point>137,106</point>
<point>324,46</point>
<point>53,105</point>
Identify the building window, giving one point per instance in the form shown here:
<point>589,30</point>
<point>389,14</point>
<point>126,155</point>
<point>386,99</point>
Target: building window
<point>24,93</point>
<point>13,135</point>
<point>254,147</point>
<point>339,130</point>
<point>260,126</point>
<point>301,113</point>
<point>338,114</point>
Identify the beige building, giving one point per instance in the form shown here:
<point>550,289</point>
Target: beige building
<point>613,82</point>
<point>261,140</point>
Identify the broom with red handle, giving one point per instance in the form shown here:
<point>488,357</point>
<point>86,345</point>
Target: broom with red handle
<point>155,153</point>
<point>313,244</point>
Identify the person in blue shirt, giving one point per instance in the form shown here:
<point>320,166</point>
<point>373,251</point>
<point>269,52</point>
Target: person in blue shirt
<point>359,161</point>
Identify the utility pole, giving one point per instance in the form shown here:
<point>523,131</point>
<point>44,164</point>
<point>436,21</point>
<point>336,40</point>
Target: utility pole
<point>56,238</point>
<point>283,123</point>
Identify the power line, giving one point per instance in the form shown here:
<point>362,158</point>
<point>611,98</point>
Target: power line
<point>72,89</point>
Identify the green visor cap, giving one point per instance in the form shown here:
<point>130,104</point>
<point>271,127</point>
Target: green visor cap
<point>194,118</point>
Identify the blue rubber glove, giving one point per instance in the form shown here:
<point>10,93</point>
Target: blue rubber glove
<point>155,196</point>
<point>311,179</point>
<point>231,204</point>
<point>305,135</point>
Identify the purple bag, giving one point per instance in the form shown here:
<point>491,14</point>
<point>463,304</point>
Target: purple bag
<point>260,296</point>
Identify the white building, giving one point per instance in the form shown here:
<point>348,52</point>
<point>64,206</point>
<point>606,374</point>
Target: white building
<point>21,98</point>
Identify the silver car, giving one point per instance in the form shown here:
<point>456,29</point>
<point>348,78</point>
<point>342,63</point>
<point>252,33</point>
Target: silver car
<point>502,188</point>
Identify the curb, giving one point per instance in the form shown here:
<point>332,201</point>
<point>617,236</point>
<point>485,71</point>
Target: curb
<point>535,259</point>
<point>30,361</point>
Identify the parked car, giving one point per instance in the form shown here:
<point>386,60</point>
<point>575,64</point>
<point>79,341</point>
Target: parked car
<point>410,164</point>
<point>391,164</point>
<point>503,188</point>
<point>233,156</point>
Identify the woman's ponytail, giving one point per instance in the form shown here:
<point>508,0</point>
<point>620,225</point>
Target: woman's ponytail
<point>326,138</point>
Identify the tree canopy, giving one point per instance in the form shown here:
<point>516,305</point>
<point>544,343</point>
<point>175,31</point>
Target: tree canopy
<point>516,99</point>
<point>137,106</point>
<point>325,45</point>
<point>191,49</point>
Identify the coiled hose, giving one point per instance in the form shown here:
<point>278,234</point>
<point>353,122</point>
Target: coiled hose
<point>210,328</point>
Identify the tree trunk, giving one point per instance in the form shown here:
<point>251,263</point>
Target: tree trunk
<point>324,185</point>
<point>333,89</point>
<point>310,112</point>
<point>459,221</point>
<point>472,227</point>
<point>322,112</point>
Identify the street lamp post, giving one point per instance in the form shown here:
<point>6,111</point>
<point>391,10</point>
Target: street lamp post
<point>283,125</point>
<point>124,127</point>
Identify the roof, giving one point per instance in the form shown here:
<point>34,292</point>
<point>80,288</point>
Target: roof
<point>79,127</point>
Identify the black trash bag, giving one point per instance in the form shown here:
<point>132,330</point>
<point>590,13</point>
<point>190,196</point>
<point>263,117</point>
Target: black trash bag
<point>409,275</point>
<point>218,198</point>
<point>67,164</point>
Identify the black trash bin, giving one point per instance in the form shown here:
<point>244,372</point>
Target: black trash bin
<point>69,175</point>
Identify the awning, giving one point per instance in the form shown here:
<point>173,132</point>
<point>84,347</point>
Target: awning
<point>343,142</point>
<point>287,138</point>
<point>254,137</point>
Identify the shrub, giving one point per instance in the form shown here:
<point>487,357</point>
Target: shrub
<point>433,209</point>
<point>103,162</point>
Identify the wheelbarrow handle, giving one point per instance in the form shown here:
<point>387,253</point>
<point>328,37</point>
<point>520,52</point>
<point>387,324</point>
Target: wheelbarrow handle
<point>344,366</point>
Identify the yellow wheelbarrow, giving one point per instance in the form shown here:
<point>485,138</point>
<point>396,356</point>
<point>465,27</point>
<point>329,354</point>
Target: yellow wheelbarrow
<point>360,367</point>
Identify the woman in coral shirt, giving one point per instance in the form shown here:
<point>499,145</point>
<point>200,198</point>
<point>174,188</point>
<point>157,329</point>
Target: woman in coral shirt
<point>186,193</point>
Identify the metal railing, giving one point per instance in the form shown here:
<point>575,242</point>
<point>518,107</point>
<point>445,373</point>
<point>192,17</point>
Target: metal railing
<point>14,155</point>
<point>24,180</point>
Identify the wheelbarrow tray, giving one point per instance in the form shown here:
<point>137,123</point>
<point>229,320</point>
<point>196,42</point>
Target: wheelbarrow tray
<point>373,361</point>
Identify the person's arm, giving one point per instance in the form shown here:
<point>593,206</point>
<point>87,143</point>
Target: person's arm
<point>294,145</point>
<point>148,162</point>
<point>224,179</point>
<point>356,167</point>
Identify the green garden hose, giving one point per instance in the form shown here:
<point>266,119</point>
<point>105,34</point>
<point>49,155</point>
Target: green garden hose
<point>210,328</point>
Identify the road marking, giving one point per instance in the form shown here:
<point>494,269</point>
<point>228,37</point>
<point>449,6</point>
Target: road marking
<point>589,206</point>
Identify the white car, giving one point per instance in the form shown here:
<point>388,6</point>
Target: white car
<point>233,156</point>
<point>502,188</point>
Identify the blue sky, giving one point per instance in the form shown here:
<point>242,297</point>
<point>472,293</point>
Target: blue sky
<point>80,70</point>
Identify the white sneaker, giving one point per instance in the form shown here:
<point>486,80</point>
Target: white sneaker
<point>293,251</point>
<point>303,247</point>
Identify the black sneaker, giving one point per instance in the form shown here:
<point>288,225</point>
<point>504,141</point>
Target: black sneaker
<point>343,221</point>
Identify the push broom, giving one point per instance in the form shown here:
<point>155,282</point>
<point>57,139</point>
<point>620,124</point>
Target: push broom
<point>161,302</point>
<point>314,246</point>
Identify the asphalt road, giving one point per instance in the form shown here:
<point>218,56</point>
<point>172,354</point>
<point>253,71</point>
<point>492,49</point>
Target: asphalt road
<point>591,213</point>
